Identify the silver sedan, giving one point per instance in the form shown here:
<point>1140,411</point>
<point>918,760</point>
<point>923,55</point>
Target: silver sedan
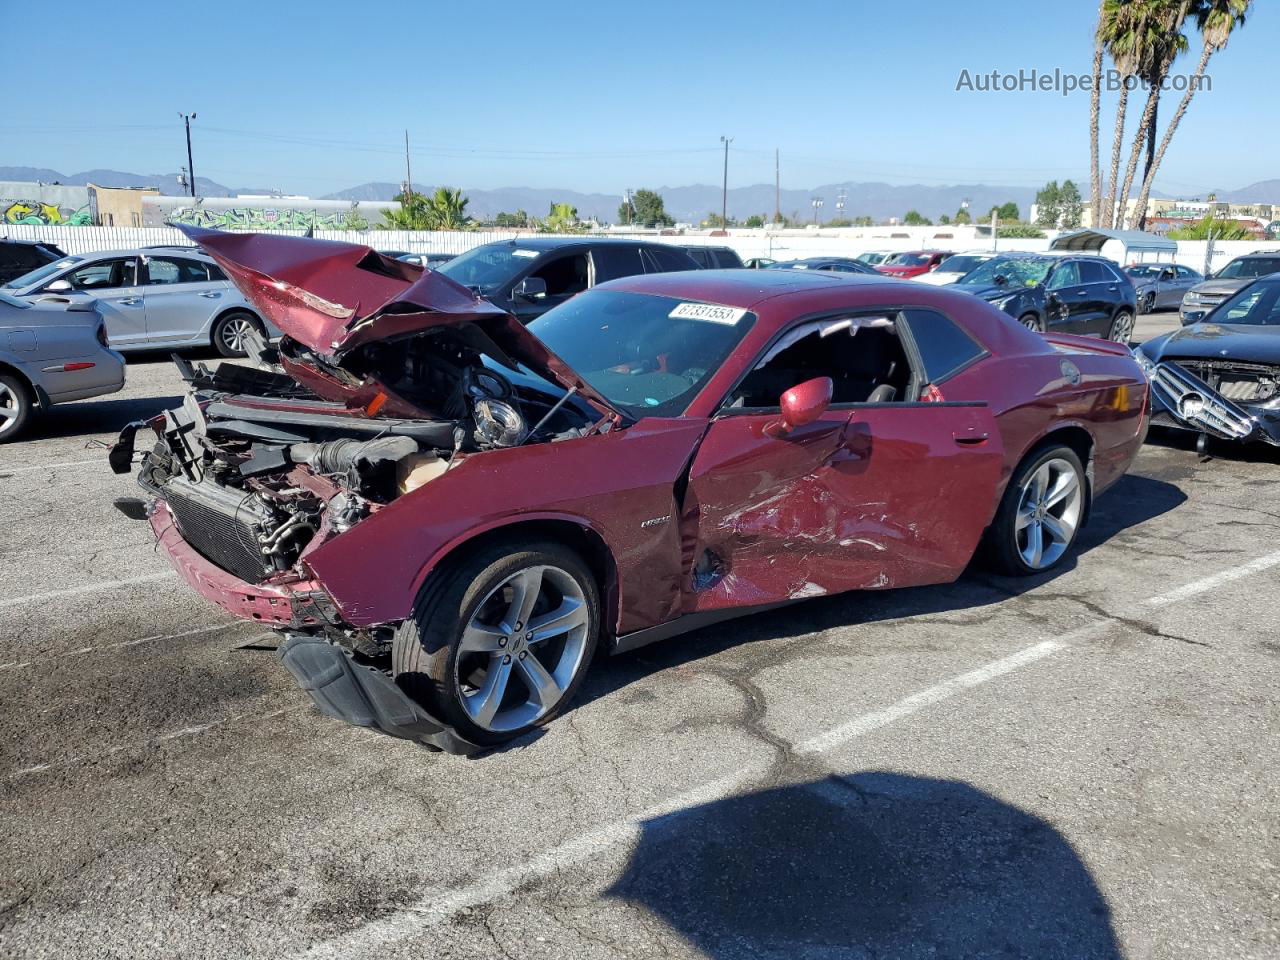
<point>51,353</point>
<point>151,299</point>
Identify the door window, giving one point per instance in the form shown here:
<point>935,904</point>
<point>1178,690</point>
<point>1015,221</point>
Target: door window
<point>665,259</point>
<point>104,275</point>
<point>564,276</point>
<point>943,346</point>
<point>165,270</point>
<point>1091,272</point>
<point>862,355</point>
<point>1064,275</point>
<point>612,262</point>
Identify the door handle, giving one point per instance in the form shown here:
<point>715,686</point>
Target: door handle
<point>211,294</point>
<point>129,300</point>
<point>971,438</point>
<point>1081,293</point>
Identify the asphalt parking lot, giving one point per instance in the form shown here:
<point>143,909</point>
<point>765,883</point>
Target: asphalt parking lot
<point>1080,765</point>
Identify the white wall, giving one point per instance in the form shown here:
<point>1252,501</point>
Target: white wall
<point>783,245</point>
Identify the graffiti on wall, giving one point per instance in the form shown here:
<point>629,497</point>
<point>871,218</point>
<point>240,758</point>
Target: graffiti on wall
<point>37,213</point>
<point>267,218</point>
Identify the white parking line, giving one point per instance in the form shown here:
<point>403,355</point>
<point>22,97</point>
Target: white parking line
<point>10,471</point>
<point>1218,579</point>
<point>440,905</point>
<point>85,588</point>
<point>194,631</point>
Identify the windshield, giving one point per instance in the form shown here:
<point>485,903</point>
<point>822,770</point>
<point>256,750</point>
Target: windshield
<point>1017,272</point>
<point>1249,267</point>
<point>1144,270</point>
<point>488,267</point>
<point>961,263</point>
<point>41,273</point>
<point>873,258</point>
<point>1257,304</point>
<point>647,355</point>
<point>907,260</point>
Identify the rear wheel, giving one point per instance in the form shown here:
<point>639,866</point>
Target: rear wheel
<point>15,407</point>
<point>499,641</point>
<point>1148,304</point>
<point>1041,512</point>
<point>1121,328</point>
<point>230,331</point>
<point>1032,322</point>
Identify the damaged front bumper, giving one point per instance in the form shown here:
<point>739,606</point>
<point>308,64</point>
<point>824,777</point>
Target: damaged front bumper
<point>339,684</point>
<point>1181,400</point>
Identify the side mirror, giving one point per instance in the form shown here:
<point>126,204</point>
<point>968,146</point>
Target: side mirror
<point>802,404</point>
<point>530,288</point>
<point>58,286</point>
<point>1193,316</point>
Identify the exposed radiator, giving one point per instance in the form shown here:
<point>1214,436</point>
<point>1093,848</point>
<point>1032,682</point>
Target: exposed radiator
<point>219,524</point>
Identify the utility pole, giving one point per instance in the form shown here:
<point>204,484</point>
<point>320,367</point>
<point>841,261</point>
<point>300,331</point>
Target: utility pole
<point>995,226</point>
<point>408,178</point>
<point>817,211</point>
<point>724,189</point>
<point>191,167</point>
<point>777,189</point>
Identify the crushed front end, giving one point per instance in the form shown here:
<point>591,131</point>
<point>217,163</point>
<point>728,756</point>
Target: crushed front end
<point>1220,397</point>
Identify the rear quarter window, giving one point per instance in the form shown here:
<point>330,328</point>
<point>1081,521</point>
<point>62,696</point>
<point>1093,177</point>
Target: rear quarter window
<point>944,346</point>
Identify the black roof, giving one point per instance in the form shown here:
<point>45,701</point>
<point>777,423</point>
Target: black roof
<point>546,242</point>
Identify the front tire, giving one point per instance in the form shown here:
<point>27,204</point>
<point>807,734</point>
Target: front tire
<point>500,640</point>
<point>230,330</point>
<point>1032,322</point>
<point>1122,328</point>
<point>16,405</point>
<point>1041,513</point>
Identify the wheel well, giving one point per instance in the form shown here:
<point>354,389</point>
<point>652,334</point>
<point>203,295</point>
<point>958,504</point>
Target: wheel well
<point>584,541</point>
<point>230,310</point>
<point>22,377</point>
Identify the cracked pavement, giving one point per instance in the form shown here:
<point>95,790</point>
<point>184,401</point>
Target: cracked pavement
<point>166,790</point>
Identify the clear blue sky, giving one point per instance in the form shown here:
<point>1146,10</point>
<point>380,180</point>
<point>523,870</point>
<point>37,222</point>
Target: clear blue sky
<point>314,96</point>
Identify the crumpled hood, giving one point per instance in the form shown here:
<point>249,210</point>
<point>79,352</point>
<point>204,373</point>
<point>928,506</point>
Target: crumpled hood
<point>992,291</point>
<point>1248,343</point>
<point>334,297</point>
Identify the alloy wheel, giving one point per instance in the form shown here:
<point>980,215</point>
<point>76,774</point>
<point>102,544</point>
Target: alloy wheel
<point>522,648</point>
<point>233,332</point>
<point>1122,327</point>
<point>10,408</point>
<point>1049,507</point>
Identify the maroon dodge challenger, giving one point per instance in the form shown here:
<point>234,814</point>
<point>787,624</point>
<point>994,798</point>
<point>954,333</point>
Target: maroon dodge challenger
<point>446,514</point>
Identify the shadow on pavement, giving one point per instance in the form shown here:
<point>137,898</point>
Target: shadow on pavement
<point>88,417</point>
<point>868,865</point>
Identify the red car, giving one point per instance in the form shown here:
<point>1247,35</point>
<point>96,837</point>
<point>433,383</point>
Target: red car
<point>446,514</point>
<point>913,263</point>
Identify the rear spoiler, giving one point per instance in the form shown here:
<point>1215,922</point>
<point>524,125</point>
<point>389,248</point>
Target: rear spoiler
<point>1071,341</point>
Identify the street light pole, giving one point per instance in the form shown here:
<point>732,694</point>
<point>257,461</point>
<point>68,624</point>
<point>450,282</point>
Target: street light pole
<point>724,188</point>
<point>191,168</point>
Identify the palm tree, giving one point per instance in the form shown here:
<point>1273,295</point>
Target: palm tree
<point>1095,112</point>
<point>1217,20</point>
<point>1119,30</point>
<point>448,207</point>
<point>1160,40</point>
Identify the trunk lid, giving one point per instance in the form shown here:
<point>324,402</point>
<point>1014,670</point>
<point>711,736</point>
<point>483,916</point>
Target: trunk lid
<point>334,297</point>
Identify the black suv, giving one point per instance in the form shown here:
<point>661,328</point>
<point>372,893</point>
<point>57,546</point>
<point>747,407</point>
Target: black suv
<point>714,258</point>
<point>530,275</point>
<point>1075,294</point>
<point>22,256</point>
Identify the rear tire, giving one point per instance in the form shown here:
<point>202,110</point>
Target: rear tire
<point>474,653</point>
<point>1040,514</point>
<point>16,406</point>
<point>1121,328</point>
<point>229,330</point>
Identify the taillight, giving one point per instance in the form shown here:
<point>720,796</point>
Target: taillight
<point>102,334</point>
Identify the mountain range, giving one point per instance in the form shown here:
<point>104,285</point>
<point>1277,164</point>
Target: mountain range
<point>687,203</point>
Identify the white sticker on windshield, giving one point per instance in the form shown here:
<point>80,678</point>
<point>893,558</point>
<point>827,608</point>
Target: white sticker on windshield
<point>524,253</point>
<point>709,312</point>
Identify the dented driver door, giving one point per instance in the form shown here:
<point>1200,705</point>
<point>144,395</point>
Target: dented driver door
<point>868,496</point>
